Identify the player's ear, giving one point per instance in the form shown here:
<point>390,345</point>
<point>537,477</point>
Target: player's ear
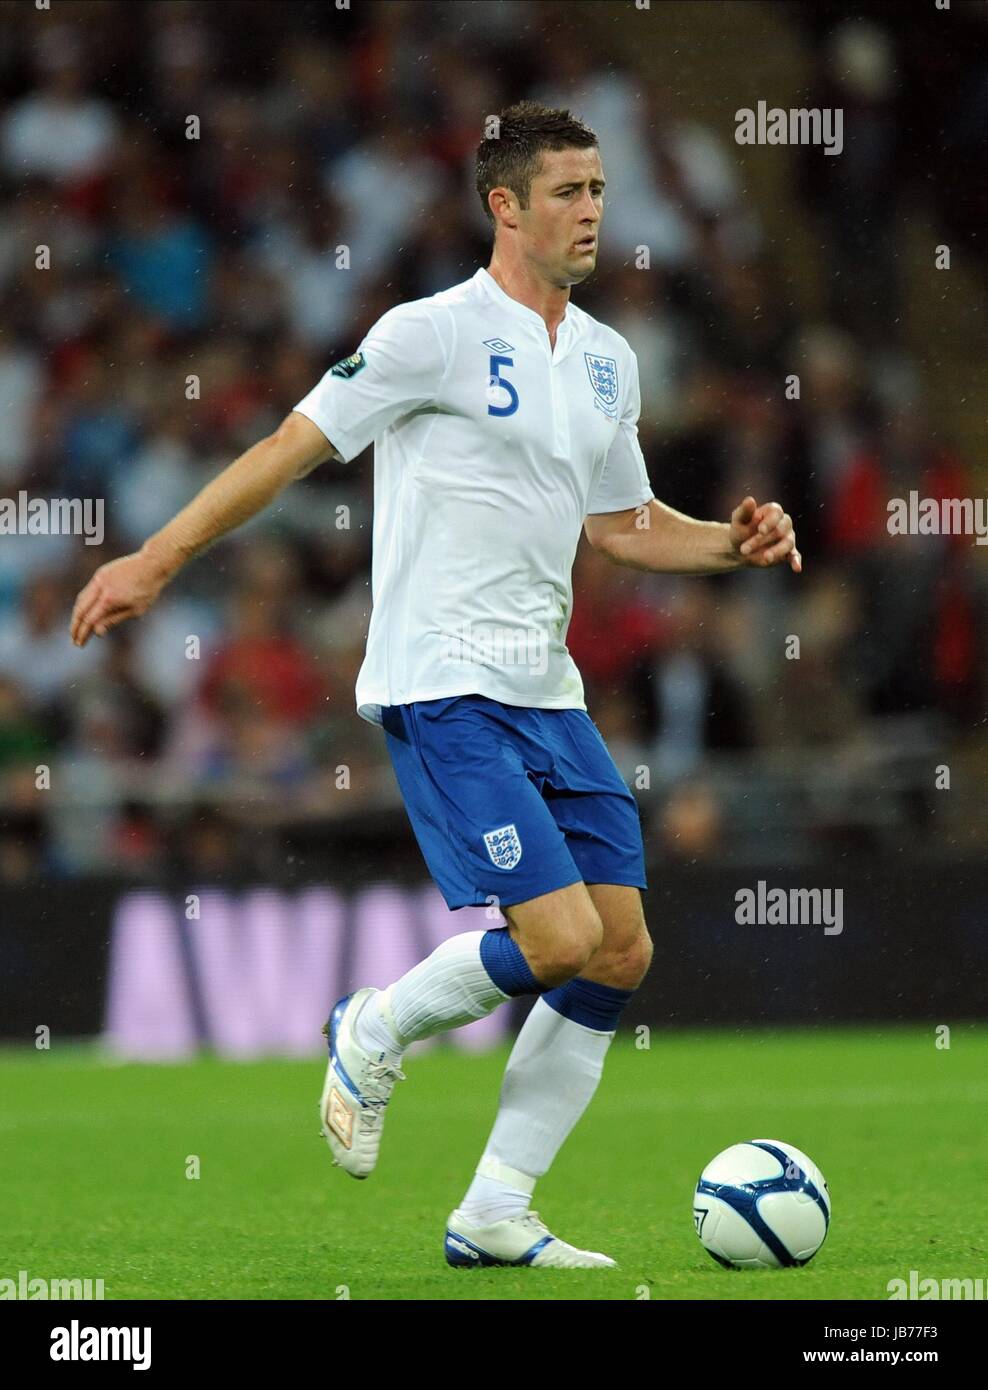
<point>503,205</point>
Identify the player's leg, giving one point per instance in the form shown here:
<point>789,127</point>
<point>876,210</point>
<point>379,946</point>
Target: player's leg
<point>549,939</point>
<point>486,833</point>
<point>625,953</point>
<point>558,1056</point>
<point>465,978</point>
<point>552,1074</point>
<point>465,770</point>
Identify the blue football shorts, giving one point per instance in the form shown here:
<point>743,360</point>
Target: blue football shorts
<point>509,802</point>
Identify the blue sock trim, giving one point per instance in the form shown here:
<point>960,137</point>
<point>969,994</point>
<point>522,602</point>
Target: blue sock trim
<point>585,1001</point>
<point>505,963</point>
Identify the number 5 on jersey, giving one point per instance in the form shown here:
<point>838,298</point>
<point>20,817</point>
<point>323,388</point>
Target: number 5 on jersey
<point>495,381</point>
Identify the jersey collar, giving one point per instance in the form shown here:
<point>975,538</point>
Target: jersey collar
<point>567,323</point>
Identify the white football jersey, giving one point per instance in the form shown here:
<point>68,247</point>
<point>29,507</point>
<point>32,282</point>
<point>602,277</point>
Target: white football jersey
<point>490,450</point>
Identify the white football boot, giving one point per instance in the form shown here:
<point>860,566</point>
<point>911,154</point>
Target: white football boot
<point>518,1240</point>
<point>356,1092</point>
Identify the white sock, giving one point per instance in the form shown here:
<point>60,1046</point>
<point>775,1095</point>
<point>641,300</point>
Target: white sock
<point>375,1029</point>
<point>549,1081</point>
<point>496,1192</point>
<point>446,990</point>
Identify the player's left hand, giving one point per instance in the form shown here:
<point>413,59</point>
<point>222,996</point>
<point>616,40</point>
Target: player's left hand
<point>763,535</point>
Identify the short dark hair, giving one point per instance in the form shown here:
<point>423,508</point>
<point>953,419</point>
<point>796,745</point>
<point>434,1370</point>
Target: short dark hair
<point>512,157</point>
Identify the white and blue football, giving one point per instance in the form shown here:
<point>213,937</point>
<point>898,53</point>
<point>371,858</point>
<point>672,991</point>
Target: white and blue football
<point>761,1205</point>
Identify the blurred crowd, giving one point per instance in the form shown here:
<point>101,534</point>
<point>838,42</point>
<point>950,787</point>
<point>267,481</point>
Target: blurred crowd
<point>194,293</point>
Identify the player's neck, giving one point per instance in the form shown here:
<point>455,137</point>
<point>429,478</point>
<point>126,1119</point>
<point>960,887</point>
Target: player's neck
<point>549,301</point>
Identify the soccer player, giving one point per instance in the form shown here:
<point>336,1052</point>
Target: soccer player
<point>504,423</point>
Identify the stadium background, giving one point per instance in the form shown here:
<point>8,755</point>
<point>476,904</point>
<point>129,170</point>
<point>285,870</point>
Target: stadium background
<point>219,776</point>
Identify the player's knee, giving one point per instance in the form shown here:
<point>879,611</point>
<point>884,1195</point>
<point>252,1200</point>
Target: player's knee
<point>572,947</point>
<point>627,965</point>
<point>640,955</point>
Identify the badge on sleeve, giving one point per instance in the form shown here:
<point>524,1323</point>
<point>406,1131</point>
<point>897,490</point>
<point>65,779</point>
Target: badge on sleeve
<point>349,366</point>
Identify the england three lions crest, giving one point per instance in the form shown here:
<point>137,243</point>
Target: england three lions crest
<point>604,380</point>
<point>503,846</point>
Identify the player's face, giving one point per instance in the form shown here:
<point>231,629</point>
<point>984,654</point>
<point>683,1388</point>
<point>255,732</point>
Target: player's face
<point>561,224</point>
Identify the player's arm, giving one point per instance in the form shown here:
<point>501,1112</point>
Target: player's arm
<point>652,536</point>
<point>627,523</point>
<point>397,368</point>
<point>127,587</point>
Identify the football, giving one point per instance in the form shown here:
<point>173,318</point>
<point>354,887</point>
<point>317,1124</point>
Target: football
<point>761,1205</point>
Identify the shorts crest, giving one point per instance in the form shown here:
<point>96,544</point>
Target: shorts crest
<point>503,846</point>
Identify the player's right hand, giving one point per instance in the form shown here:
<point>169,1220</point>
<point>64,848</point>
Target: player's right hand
<point>124,588</point>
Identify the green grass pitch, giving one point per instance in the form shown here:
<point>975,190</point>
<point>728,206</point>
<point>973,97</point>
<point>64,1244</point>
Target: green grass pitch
<point>94,1170</point>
